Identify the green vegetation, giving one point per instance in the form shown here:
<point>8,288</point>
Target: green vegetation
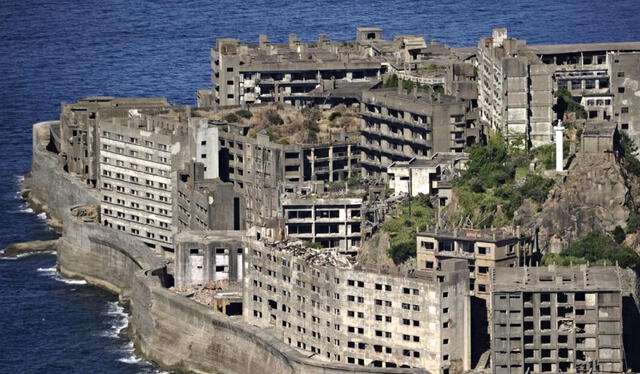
<point>334,115</point>
<point>633,222</point>
<point>566,103</point>
<point>391,82</point>
<point>618,234</point>
<point>313,245</point>
<point>629,148</point>
<point>597,248</point>
<point>244,113</point>
<point>488,191</point>
<point>274,119</point>
<point>231,118</point>
<point>546,154</point>
<point>414,215</point>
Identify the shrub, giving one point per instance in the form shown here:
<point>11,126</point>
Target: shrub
<point>274,119</point>
<point>618,234</point>
<point>231,117</point>
<point>401,252</point>
<point>244,113</point>
<point>633,222</point>
<point>334,115</point>
<point>629,148</point>
<point>596,247</point>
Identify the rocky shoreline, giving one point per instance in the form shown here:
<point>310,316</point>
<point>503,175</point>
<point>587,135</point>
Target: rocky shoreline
<point>35,246</point>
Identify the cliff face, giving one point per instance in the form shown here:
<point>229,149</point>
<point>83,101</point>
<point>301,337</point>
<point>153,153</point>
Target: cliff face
<point>591,196</point>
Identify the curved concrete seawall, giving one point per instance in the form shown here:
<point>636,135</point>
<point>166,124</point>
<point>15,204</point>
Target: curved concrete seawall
<point>173,331</point>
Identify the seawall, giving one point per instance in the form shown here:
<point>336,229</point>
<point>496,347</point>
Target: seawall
<point>48,187</point>
<point>174,332</point>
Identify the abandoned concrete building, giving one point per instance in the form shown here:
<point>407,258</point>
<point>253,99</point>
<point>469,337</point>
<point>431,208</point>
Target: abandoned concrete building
<point>206,204</point>
<point>483,249</point>
<point>263,170</point>
<point>564,319</point>
<point>209,256</point>
<point>514,90</point>
<point>319,303</point>
<point>79,129</point>
<point>516,83</point>
<point>331,222</point>
<point>398,126</point>
<point>266,72</point>
<point>429,176</point>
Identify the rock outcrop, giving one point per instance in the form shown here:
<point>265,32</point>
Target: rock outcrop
<point>17,249</point>
<point>592,195</point>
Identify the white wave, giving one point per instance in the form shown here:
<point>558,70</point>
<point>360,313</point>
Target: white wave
<point>121,320</point>
<point>25,209</point>
<point>52,272</point>
<point>42,216</point>
<point>131,359</point>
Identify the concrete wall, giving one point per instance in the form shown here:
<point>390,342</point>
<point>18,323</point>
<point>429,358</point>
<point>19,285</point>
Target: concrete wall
<point>51,188</point>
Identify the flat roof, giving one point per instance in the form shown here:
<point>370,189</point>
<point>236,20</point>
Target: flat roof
<point>556,278</point>
<point>584,47</point>
<point>483,235</point>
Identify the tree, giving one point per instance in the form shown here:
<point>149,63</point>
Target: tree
<point>596,247</point>
<point>618,234</point>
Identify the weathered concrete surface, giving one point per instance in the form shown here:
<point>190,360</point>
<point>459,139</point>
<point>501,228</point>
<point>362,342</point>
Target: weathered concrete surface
<point>591,196</point>
<point>48,188</point>
<point>16,249</point>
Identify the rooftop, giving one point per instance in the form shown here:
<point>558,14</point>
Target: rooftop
<point>485,235</point>
<point>556,278</point>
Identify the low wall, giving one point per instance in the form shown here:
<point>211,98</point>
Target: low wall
<point>52,189</point>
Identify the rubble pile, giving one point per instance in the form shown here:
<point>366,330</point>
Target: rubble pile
<point>203,294</point>
<point>313,256</point>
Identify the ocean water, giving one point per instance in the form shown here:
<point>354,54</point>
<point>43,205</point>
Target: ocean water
<point>55,51</point>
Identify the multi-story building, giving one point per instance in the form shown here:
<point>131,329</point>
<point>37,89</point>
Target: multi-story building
<point>319,303</point>
<point>262,170</point>
<point>557,320</point>
<point>333,222</point>
<point>514,90</point>
<point>398,126</point>
<point>139,156</point>
<point>79,134</point>
<point>267,72</point>
<point>483,250</point>
<point>516,83</point>
<point>204,256</point>
<point>206,204</point>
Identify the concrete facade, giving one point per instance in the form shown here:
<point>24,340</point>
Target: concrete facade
<point>333,222</point>
<point>398,126</point>
<point>209,256</point>
<point>483,250</point>
<point>550,320</point>
<point>345,315</point>
<point>139,157</point>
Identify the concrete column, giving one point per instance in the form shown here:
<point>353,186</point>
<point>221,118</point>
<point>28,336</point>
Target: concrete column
<point>559,145</point>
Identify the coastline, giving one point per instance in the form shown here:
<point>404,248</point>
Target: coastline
<point>173,332</point>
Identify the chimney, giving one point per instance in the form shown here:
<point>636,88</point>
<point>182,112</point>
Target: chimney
<point>415,90</point>
<point>293,41</point>
<point>323,38</point>
<point>399,86</point>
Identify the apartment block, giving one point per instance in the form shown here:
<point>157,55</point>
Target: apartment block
<point>139,156</point>
<point>262,170</point>
<point>484,250</point>
<point>398,126</point>
<point>268,72</point>
<point>514,90</point>
<point>557,320</point>
<point>79,134</point>
<point>321,304</point>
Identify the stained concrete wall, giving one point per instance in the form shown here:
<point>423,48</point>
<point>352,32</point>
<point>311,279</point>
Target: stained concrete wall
<point>51,188</point>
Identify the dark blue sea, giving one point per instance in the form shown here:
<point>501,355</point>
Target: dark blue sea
<point>55,51</point>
